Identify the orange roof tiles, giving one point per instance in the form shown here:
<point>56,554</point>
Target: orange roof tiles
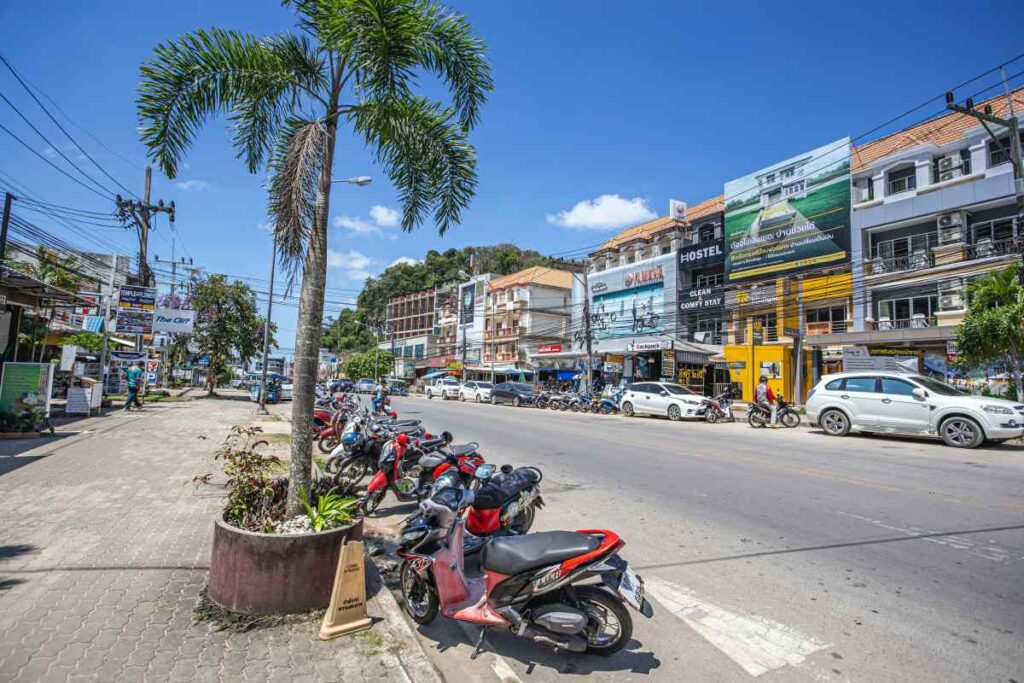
<point>537,275</point>
<point>646,231</point>
<point>939,131</point>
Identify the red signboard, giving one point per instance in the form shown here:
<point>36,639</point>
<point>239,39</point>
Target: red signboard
<point>550,348</point>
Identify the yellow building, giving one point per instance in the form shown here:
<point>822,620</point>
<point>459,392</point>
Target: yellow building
<point>765,319</point>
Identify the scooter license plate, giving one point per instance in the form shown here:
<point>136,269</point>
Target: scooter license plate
<point>631,588</point>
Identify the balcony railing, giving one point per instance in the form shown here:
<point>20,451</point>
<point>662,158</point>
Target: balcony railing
<point>501,357</point>
<point>985,248</point>
<point>899,264</point>
<point>826,327</point>
<point>916,322</point>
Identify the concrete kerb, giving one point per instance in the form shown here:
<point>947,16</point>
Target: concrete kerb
<point>411,663</point>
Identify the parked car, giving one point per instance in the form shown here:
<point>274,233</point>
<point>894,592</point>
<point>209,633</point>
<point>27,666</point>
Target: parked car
<point>342,386</point>
<point>662,398</point>
<point>897,403</point>
<point>476,391</point>
<point>286,391</point>
<point>445,388</point>
<point>516,393</point>
<point>365,386</point>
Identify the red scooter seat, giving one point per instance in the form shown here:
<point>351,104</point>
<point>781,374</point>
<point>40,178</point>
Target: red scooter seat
<point>511,555</point>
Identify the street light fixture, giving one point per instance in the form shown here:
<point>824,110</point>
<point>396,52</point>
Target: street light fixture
<point>360,180</point>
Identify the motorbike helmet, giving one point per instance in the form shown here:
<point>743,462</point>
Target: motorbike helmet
<point>349,438</point>
<point>763,379</point>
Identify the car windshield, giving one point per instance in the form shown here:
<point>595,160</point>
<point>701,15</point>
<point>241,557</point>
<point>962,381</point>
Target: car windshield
<point>520,386</point>
<point>484,385</point>
<point>677,389</point>
<point>938,387</point>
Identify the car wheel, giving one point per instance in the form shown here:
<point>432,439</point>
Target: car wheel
<point>516,402</point>
<point>429,395</point>
<point>961,432</point>
<point>462,397</point>
<point>479,399</point>
<point>627,409</point>
<point>674,413</point>
<point>494,401</point>
<point>834,423</point>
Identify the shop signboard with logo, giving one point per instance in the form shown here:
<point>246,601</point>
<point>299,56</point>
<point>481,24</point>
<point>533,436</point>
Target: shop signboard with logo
<point>174,321</point>
<point>791,216</point>
<point>647,346</point>
<point>467,303</point>
<point>668,365</point>
<point>700,255</point>
<point>549,348</point>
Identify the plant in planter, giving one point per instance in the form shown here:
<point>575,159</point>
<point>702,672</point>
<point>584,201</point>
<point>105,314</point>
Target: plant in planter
<point>263,563</point>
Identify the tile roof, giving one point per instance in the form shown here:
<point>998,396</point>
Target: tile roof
<point>646,231</point>
<point>538,275</point>
<point>939,131</point>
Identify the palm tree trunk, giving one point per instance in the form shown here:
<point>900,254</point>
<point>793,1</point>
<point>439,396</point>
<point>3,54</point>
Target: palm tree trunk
<point>1017,380</point>
<point>308,332</point>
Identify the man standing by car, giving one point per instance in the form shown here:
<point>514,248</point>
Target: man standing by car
<point>134,379</point>
<point>765,397</point>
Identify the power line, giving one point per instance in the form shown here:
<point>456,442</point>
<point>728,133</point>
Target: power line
<point>58,168</point>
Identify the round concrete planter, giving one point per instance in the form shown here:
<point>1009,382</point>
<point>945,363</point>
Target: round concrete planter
<point>257,573</point>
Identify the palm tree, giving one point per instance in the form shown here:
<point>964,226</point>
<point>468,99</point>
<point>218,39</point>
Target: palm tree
<point>354,66</point>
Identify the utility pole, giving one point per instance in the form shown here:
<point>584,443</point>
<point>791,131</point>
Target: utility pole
<point>174,263</point>
<point>106,323</point>
<point>139,212</point>
<point>986,117</point>
<point>798,343</point>
<point>586,325</point>
<point>266,335</point>
<point>8,198</point>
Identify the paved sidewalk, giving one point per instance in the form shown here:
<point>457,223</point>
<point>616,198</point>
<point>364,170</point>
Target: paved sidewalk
<point>104,551</point>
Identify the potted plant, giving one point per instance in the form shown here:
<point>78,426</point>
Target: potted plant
<point>263,563</point>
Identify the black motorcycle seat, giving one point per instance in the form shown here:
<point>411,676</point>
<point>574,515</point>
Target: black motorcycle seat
<point>431,462</point>
<point>404,429</point>
<point>464,449</point>
<point>510,555</point>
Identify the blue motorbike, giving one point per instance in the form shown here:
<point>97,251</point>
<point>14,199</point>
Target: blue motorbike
<point>610,404</point>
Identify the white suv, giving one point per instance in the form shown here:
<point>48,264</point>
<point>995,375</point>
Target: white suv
<point>476,391</point>
<point>895,403</point>
<point>446,387</point>
<point>662,398</point>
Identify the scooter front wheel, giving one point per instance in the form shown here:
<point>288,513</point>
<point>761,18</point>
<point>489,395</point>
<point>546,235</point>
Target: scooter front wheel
<point>419,599</point>
<point>371,501</point>
<point>328,444</point>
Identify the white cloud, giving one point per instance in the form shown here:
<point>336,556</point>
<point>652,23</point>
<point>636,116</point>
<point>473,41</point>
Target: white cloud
<point>355,265</point>
<point>50,152</point>
<point>192,185</point>
<point>606,212</point>
<point>384,216</point>
<point>382,221</point>
<point>404,259</point>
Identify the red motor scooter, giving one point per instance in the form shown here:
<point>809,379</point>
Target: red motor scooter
<point>410,467</point>
<point>530,584</point>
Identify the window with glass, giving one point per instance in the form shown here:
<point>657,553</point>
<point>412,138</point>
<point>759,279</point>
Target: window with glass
<point>912,311</point>
<point>999,152</point>
<point>902,180</point>
<point>419,350</point>
<point>826,320</point>
<point>994,231</point>
<point>707,280</point>
<point>860,385</point>
<point>897,387</point>
<point>768,325</point>
<point>904,253</point>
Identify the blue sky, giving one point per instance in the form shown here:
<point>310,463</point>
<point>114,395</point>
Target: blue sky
<point>602,112</point>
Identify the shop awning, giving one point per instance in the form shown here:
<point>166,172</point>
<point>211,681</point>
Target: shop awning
<point>21,287</point>
<point>93,323</point>
<point>435,374</point>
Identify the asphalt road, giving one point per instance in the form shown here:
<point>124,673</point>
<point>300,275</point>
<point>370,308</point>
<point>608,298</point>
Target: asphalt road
<point>782,555</point>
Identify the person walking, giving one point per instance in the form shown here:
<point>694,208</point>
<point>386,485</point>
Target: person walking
<point>765,397</point>
<point>134,377</point>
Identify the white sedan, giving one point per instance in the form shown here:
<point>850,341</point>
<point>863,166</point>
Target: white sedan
<point>476,391</point>
<point>662,398</point>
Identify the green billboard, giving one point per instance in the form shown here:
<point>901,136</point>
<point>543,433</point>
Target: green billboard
<point>790,216</point>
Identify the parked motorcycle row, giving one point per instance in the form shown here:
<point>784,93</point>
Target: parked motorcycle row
<point>467,552</point>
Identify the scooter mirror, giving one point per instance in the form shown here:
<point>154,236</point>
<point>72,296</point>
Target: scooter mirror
<point>447,436</point>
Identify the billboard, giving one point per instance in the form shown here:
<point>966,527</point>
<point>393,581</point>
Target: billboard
<point>135,306</point>
<point>467,303</point>
<point>790,216</point>
<point>629,312</point>
<point>175,321</point>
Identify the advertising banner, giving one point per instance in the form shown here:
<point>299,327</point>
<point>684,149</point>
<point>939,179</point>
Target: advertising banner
<point>896,359</point>
<point>629,312</point>
<point>135,307</point>
<point>174,321</point>
<point>791,216</point>
<point>26,387</point>
<point>467,303</point>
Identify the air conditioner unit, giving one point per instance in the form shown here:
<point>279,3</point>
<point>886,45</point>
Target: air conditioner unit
<point>950,175</point>
<point>951,227</point>
<point>951,302</point>
<point>950,162</point>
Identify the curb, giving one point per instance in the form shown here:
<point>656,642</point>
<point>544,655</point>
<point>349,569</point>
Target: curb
<point>411,663</point>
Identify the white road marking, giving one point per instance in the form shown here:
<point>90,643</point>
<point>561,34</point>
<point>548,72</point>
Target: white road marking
<point>989,552</point>
<point>757,644</point>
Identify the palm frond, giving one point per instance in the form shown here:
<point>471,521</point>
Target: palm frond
<point>426,153</point>
<point>296,165</point>
<point>215,71</point>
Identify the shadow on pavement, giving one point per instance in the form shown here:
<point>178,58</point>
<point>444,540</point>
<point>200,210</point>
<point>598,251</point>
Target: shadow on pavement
<point>1018,446</point>
<point>8,552</point>
<point>831,546</point>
